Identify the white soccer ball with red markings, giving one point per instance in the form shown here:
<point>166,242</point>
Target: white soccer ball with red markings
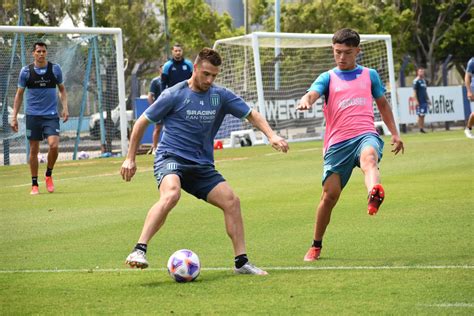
<point>184,266</point>
<point>82,155</point>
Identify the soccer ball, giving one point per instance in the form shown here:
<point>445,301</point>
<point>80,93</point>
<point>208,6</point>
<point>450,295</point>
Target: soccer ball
<point>41,158</point>
<point>82,155</point>
<point>184,266</point>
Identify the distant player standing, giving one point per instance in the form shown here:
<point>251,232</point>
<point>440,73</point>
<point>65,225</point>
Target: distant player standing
<point>421,96</point>
<point>470,95</point>
<point>42,121</point>
<point>153,94</point>
<point>192,112</point>
<point>350,139</point>
<point>176,69</point>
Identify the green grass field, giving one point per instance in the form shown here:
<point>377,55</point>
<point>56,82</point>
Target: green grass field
<point>63,253</point>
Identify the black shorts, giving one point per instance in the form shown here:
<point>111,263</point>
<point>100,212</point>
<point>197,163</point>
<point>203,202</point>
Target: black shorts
<point>41,127</point>
<point>196,179</point>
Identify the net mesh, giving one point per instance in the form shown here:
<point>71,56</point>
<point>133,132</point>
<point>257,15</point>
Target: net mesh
<point>73,52</point>
<point>288,67</point>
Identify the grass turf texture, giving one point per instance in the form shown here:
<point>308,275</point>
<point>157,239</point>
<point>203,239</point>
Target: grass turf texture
<point>89,225</point>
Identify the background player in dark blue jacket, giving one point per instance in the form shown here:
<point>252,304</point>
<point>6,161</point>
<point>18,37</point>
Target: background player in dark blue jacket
<point>192,112</point>
<point>176,69</point>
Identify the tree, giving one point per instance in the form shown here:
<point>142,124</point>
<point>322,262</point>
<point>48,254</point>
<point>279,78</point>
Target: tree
<point>440,29</point>
<point>427,30</point>
<point>259,11</point>
<point>195,25</point>
<point>41,12</point>
<point>142,35</point>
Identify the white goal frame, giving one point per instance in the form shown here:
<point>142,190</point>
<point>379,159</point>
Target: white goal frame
<point>117,33</point>
<point>271,39</point>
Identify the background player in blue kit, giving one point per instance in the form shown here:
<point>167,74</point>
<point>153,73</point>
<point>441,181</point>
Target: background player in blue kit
<point>421,96</point>
<point>192,112</point>
<point>42,121</point>
<point>153,94</point>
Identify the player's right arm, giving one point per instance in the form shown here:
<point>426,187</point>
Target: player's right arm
<point>129,166</point>
<point>22,79</point>
<point>308,100</point>
<point>153,114</point>
<point>16,108</point>
<point>317,89</point>
<point>415,89</point>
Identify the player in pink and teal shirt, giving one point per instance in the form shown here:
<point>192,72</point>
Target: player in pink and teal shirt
<point>350,139</point>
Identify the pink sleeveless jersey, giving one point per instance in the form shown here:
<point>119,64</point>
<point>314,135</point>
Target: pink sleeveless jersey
<point>348,110</point>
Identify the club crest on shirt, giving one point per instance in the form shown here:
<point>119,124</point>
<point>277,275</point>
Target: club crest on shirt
<point>215,99</point>
<point>185,67</point>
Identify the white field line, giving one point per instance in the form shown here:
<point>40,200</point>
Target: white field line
<point>116,174</point>
<point>448,305</point>
<point>140,170</point>
<point>302,268</point>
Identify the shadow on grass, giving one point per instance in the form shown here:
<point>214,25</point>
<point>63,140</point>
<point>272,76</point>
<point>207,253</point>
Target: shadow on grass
<point>202,278</point>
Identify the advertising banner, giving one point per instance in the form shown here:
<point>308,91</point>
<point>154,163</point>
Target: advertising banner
<point>447,104</point>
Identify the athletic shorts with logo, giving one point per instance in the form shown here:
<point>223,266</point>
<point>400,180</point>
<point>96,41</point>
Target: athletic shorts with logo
<point>196,179</point>
<point>422,109</point>
<point>40,127</point>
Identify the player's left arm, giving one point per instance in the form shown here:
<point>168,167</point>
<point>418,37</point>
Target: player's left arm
<point>426,95</point>
<point>58,73</point>
<point>378,92</point>
<point>389,120</point>
<point>257,120</point>
<point>467,82</point>
<point>63,98</point>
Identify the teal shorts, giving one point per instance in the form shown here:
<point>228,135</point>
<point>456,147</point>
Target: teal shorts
<point>342,157</point>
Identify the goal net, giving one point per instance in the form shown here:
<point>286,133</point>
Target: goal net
<point>91,60</point>
<point>272,71</point>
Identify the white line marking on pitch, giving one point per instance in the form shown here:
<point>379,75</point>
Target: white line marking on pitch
<point>140,170</point>
<point>448,305</point>
<point>116,174</point>
<point>302,268</point>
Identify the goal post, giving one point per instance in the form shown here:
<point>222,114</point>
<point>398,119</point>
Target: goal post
<point>95,88</point>
<point>272,71</point>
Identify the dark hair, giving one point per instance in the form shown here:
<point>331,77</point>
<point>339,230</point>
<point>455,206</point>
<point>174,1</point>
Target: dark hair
<point>210,55</point>
<point>39,44</point>
<point>346,36</point>
<point>177,45</point>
